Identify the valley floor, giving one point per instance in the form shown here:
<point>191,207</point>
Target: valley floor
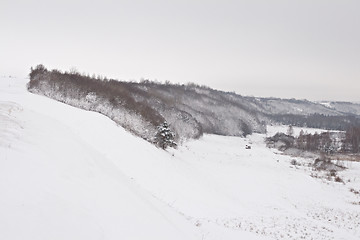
<point>67,173</point>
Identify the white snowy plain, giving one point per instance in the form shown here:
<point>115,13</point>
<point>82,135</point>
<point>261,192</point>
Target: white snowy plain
<point>67,173</point>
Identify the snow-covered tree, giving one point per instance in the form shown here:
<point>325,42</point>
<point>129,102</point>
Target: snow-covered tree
<point>165,137</point>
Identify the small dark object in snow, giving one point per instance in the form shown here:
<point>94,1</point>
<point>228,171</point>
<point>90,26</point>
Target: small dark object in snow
<point>247,147</point>
<point>332,173</point>
<point>294,162</point>
<point>354,191</point>
<point>338,179</point>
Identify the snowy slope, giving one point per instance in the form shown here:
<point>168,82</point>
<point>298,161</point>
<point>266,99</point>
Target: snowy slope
<point>346,107</point>
<point>55,185</point>
<point>67,173</point>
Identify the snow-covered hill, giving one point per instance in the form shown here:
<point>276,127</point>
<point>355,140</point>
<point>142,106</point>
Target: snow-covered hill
<point>191,110</point>
<point>67,173</point>
<point>344,107</point>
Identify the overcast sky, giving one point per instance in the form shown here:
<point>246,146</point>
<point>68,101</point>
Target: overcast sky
<point>288,49</point>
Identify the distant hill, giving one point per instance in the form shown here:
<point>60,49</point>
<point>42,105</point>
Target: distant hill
<point>344,107</point>
<point>191,110</point>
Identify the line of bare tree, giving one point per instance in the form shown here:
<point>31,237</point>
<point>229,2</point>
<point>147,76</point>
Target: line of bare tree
<point>326,142</point>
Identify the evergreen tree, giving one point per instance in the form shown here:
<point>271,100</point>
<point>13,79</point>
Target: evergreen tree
<point>165,137</point>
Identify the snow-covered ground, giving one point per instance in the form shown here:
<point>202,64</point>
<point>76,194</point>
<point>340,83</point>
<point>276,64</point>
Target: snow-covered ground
<point>67,173</point>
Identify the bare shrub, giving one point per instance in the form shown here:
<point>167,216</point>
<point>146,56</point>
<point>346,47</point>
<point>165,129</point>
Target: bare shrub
<point>356,192</point>
<point>338,179</point>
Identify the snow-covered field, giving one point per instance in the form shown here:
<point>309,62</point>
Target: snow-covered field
<point>67,173</point>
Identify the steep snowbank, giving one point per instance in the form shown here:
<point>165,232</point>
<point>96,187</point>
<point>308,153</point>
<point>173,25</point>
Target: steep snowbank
<point>67,173</point>
<point>55,185</point>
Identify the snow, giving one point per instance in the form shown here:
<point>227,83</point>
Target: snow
<point>326,104</point>
<point>67,173</point>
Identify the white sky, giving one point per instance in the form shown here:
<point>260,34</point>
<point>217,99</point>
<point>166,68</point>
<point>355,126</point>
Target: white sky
<point>290,49</point>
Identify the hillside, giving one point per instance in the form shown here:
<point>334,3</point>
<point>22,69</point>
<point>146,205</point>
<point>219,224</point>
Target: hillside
<point>66,173</point>
<point>344,107</point>
<point>142,107</point>
<point>191,110</point>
